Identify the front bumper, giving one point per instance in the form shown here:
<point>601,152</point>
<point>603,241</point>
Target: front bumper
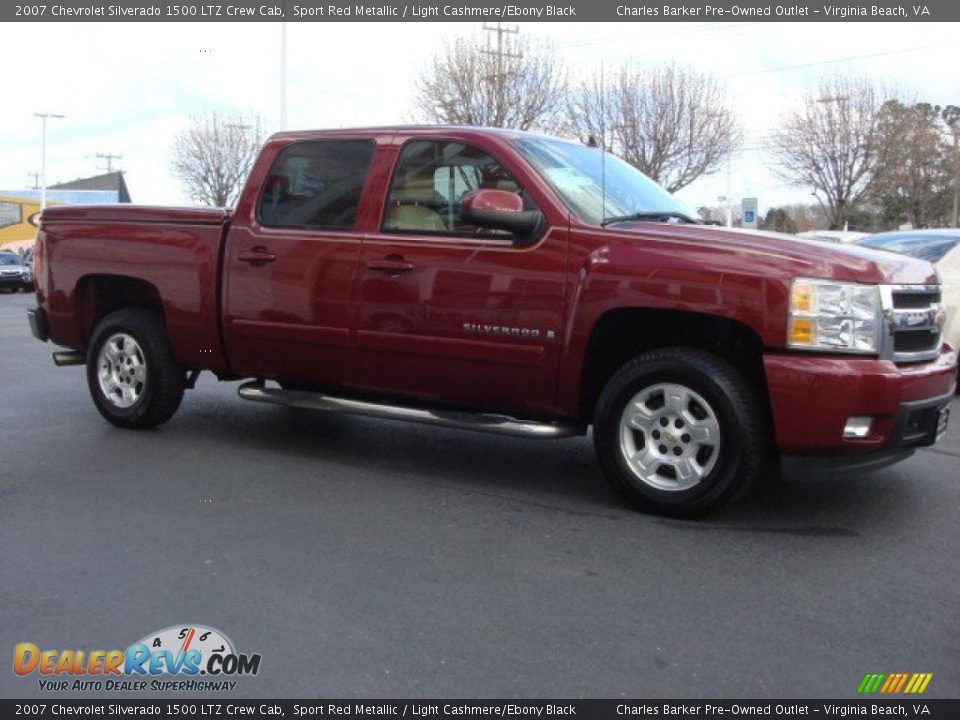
<point>812,397</point>
<point>13,281</point>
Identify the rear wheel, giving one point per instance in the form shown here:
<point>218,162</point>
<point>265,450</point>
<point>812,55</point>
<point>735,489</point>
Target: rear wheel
<point>132,376</point>
<point>679,432</point>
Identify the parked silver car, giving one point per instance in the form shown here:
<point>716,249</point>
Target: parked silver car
<point>14,273</point>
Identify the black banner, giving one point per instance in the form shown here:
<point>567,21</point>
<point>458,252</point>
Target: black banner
<point>483,10</point>
<point>909,709</point>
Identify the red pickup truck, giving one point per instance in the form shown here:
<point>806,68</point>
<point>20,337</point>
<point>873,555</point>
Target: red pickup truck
<point>510,283</point>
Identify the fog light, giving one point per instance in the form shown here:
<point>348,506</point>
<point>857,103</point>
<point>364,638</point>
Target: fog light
<point>858,426</point>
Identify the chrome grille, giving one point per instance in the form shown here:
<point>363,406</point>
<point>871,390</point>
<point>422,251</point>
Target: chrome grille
<point>913,320</point>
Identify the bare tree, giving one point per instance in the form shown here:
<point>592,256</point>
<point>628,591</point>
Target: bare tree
<point>519,85</point>
<point>213,154</point>
<point>672,123</point>
<point>829,144</point>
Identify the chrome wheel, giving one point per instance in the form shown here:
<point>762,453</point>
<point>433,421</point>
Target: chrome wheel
<point>122,370</point>
<point>669,437</point>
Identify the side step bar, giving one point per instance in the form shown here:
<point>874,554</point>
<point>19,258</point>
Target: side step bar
<point>69,357</point>
<point>498,424</point>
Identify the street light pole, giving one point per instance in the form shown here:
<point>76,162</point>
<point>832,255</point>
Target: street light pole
<point>729,198</point>
<point>43,155</point>
<point>283,75</point>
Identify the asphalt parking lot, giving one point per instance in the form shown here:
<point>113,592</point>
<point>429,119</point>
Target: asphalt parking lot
<point>367,558</point>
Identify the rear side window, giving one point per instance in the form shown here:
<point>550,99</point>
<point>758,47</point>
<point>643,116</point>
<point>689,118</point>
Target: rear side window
<point>315,185</point>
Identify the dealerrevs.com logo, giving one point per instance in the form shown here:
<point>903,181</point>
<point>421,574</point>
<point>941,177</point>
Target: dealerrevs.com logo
<point>178,658</point>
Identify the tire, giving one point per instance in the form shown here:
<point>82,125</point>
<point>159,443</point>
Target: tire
<point>640,439</point>
<point>144,386</point>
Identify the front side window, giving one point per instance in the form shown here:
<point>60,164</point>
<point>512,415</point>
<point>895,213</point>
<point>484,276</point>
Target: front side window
<point>316,185</point>
<point>431,179</point>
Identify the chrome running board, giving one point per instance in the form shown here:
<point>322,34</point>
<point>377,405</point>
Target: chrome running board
<point>498,424</point>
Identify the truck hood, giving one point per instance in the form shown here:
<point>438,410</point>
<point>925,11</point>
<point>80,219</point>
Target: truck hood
<point>135,214</point>
<point>787,256</point>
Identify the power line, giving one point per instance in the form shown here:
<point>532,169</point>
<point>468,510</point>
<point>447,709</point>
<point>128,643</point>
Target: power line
<point>785,68</point>
<point>704,27</point>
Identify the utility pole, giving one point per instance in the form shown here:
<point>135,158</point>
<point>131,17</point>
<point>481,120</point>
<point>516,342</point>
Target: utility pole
<point>43,155</point>
<point>109,157</point>
<point>501,53</point>
<point>36,180</point>
<point>951,116</point>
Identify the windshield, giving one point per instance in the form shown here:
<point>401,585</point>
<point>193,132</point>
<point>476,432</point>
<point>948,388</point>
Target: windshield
<point>574,172</point>
<point>9,260</point>
<point>923,247</point>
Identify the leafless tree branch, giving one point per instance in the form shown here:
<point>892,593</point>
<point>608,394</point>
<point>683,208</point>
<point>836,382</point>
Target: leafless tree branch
<point>830,144</point>
<point>672,123</point>
<point>213,155</point>
<point>467,84</point>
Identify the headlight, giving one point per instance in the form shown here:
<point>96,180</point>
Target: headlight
<point>832,316</point>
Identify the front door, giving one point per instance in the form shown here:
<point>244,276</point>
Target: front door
<point>449,312</point>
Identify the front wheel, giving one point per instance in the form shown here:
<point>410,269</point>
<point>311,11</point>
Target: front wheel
<point>131,373</point>
<point>679,432</point>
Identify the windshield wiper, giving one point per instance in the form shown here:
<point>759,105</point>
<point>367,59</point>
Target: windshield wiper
<point>655,215</point>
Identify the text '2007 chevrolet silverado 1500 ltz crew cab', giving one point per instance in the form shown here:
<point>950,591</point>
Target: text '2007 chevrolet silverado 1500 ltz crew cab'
<point>511,283</point>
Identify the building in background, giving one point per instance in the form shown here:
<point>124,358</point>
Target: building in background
<point>111,182</point>
<point>20,209</point>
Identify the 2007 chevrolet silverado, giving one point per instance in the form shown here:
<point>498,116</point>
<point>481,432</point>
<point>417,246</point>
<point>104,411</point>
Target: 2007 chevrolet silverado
<point>505,282</point>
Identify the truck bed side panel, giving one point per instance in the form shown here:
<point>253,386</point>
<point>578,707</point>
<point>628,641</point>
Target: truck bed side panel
<point>180,260</point>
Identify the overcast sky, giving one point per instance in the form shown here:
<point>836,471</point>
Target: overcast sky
<point>129,87</point>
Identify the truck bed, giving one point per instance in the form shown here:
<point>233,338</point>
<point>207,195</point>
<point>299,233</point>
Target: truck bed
<point>168,257</point>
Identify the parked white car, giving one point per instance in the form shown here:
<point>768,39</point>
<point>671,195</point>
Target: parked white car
<point>834,236</point>
<point>942,248</point>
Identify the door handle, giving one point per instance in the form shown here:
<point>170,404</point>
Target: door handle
<point>257,256</point>
<point>392,264</point>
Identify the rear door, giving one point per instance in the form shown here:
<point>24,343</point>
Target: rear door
<point>291,261</point>
<point>452,313</point>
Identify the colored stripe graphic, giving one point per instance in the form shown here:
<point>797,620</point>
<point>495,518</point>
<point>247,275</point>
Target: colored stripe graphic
<point>903,680</point>
<point>870,683</point>
<point>918,683</point>
<point>894,683</point>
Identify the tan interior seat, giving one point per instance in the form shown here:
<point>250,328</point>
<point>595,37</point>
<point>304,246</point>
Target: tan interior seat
<point>409,208</point>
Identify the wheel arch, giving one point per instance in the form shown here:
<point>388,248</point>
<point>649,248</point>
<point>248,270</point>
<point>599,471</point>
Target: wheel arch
<point>98,295</point>
<point>621,334</point>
